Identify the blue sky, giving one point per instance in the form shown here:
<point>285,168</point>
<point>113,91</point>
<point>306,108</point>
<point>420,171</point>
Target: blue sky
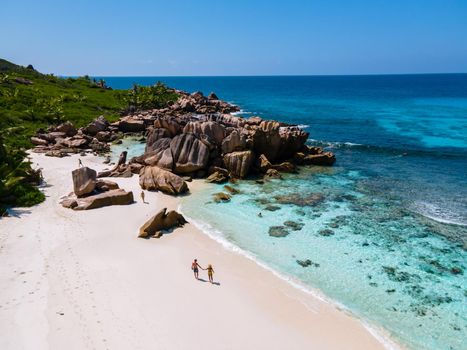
<point>170,37</point>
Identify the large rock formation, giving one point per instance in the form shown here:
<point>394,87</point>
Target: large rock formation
<point>214,131</point>
<point>163,220</point>
<point>267,140</point>
<point>292,141</point>
<point>129,124</point>
<point>84,181</point>
<point>99,124</point>
<point>157,179</point>
<point>90,193</point>
<point>239,163</point>
<point>191,136</point>
<point>169,124</point>
<point>76,142</point>
<point>236,141</point>
<point>154,135</point>
<point>160,155</point>
<point>104,199</point>
<point>38,141</point>
<point>67,128</point>
<point>189,154</point>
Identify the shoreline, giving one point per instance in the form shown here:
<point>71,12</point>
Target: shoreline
<point>83,273</point>
<point>379,333</point>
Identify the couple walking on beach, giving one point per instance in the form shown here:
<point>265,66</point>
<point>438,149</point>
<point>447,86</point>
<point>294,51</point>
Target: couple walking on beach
<point>195,267</point>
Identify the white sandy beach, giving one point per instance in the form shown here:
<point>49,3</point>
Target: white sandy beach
<point>83,280</point>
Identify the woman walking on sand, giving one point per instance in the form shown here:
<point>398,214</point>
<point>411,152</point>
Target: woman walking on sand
<point>194,267</point>
<point>210,273</point>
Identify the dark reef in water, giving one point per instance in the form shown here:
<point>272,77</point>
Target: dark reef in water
<point>278,231</point>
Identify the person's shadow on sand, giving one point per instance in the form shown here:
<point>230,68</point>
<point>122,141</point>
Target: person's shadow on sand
<point>203,280</point>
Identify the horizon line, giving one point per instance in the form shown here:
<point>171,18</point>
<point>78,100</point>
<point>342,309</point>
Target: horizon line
<point>259,75</point>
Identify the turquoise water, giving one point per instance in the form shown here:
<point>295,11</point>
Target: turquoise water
<point>383,262</point>
<point>134,146</point>
<point>385,229</point>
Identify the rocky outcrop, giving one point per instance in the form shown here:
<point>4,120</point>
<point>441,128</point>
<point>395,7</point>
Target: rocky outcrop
<point>221,197</point>
<point>160,155</point>
<point>238,163</point>
<point>84,181</point>
<point>56,153</point>
<point>301,199</point>
<point>214,131</point>
<point>163,220</point>
<point>169,124</point>
<point>264,164</point>
<point>98,124</point>
<point>76,142</point>
<point>91,193</point>
<point>212,96</point>
<point>292,141</point>
<point>198,103</point>
<point>278,231</point>
<point>267,140</point>
<point>157,179</point>
<point>38,141</point>
<point>66,138</point>
<point>105,185</point>
<point>231,190</point>
<point>105,136</point>
<point>104,199</point>
<point>189,154</point>
<point>293,225</point>
<point>130,124</point>
<point>285,167</point>
<point>121,169</point>
<point>154,135</point>
<point>307,263</point>
<point>67,128</point>
<point>191,137</point>
<point>272,174</point>
<point>99,147</point>
<point>324,158</point>
<point>236,141</point>
<point>217,177</point>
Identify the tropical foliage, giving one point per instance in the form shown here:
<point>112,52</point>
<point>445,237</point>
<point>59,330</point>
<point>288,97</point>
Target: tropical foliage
<point>146,97</point>
<point>30,100</point>
<point>18,180</point>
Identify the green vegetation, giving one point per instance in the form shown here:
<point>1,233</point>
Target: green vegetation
<point>147,97</point>
<point>30,100</point>
<point>18,180</point>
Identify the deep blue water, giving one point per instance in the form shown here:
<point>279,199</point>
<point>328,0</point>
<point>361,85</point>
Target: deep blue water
<point>393,208</point>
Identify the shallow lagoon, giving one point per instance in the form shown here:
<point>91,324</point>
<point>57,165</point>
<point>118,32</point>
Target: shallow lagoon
<point>362,249</point>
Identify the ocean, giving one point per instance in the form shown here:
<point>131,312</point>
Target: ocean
<point>384,231</point>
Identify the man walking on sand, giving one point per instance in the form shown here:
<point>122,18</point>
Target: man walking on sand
<point>194,267</point>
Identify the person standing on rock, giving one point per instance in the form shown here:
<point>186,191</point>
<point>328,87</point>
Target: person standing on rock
<point>142,196</point>
<point>194,267</point>
<point>80,163</point>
